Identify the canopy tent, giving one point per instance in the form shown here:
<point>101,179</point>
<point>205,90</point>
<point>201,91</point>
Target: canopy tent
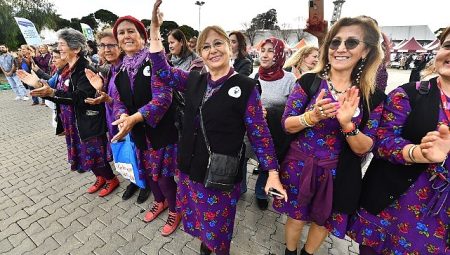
<point>400,44</point>
<point>411,46</point>
<point>434,45</point>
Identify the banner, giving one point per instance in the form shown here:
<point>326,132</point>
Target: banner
<point>29,31</point>
<point>87,31</point>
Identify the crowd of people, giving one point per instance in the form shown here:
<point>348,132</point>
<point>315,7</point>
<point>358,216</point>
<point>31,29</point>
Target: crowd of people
<point>198,113</point>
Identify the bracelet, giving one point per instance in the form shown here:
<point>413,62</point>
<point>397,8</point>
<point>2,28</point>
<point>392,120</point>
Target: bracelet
<point>308,119</point>
<point>155,39</point>
<point>351,133</point>
<point>303,121</point>
<point>411,153</point>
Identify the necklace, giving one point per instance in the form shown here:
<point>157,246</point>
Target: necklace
<point>334,92</point>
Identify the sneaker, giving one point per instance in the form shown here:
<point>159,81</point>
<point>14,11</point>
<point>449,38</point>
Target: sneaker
<point>17,98</point>
<point>156,209</point>
<point>33,104</point>
<point>173,220</point>
<point>129,191</point>
<point>110,186</point>
<point>25,98</point>
<point>97,185</point>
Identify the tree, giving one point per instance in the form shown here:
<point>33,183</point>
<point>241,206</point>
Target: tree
<point>188,31</point>
<point>166,27</point>
<point>106,16</point>
<point>146,22</point>
<point>284,32</point>
<point>75,24</point>
<point>267,20</point>
<point>90,20</point>
<point>250,32</point>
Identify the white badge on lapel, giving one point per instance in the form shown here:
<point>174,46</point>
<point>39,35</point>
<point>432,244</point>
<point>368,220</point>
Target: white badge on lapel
<point>357,112</point>
<point>146,71</point>
<point>234,92</point>
<point>66,82</point>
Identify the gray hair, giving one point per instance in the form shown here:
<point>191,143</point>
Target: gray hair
<point>74,38</point>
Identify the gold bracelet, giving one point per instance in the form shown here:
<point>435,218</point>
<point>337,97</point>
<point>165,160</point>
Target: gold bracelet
<point>308,119</point>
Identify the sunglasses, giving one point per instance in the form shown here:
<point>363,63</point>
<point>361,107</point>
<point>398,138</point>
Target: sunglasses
<point>350,43</point>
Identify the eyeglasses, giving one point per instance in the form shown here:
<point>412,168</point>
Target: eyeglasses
<point>108,46</point>
<point>446,45</point>
<point>216,44</point>
<point>350,43</point>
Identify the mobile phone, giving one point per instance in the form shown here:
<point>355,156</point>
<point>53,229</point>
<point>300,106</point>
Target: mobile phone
<point>315,13</point>
<point>275,193</point>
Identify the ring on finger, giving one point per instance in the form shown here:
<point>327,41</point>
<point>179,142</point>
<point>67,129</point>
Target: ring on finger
<point>320,109</point>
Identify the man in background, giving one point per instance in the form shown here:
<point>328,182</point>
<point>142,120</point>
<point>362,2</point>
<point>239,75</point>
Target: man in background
<point>9,68</point>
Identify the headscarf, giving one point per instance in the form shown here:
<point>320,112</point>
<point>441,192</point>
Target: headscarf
<point>275,72</point>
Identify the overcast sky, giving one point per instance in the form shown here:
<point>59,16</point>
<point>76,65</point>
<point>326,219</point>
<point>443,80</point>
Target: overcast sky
<point>230,14</point>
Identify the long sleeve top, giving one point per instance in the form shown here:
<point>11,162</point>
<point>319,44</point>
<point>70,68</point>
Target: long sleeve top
<point>256,126</point>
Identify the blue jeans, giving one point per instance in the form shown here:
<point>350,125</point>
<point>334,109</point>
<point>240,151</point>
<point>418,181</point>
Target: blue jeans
<point>35,99</point>
<point>261,184</point>
<point>16,85</point>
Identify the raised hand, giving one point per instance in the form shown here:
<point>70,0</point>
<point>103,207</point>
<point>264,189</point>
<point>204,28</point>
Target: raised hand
<point>95,79</point>
<point>157,15</point>
<point>102,98</point>
<point>324,108</point>
<point>29,78</point>
<point>435,145</point>
<point>349,103</point>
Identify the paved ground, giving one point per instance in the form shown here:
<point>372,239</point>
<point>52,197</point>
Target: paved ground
<point>44,208</point>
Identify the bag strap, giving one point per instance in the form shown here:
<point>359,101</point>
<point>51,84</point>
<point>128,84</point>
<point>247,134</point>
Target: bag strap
<point>202,125</point>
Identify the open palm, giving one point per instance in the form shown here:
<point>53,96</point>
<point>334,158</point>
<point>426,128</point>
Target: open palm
<point>28,78</point>
<point>95,79</point>
<point>435,145</point>
<point>349,102</point>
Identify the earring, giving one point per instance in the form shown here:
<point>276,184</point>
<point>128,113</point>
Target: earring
<point>360,70</point>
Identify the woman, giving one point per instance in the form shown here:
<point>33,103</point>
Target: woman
<point>276,86</point>
<point>148,117</point>
<point>333,128</point>
<point>405,205</point>
<point>241,61</point>
<point>110,51</point>
<point>25,64</point>
<point>302,61</point>
<point>209,213</point>
<point>84,124</point>
<point>181,56</point>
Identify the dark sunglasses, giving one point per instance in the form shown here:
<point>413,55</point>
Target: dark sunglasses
<point>350,43</point>
<point>446,45</point>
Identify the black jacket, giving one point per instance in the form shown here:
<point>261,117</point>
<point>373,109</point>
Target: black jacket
<point>90,119</point>
<point>243,66</point>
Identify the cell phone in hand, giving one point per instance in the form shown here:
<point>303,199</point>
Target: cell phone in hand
<point>275,193</point>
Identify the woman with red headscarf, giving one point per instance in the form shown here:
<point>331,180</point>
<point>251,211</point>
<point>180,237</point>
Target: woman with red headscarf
<point>276,85</point>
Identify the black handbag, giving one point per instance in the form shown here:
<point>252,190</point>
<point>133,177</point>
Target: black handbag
<point>222,170</point>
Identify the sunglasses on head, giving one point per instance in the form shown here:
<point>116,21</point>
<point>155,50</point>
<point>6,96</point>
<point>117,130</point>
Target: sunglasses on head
<point>350,43</point>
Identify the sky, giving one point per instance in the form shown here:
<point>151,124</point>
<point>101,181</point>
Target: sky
<point>231,14</point>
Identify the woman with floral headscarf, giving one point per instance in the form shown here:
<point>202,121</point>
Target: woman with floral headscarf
<point>276,85</point>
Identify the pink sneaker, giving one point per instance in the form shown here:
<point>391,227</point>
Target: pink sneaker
<point>156,209</point>
<point>171,224</point>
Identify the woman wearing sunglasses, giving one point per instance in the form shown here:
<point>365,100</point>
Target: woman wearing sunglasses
<point>223,105</point>
<point>335,125</point>
<point>405,199</point>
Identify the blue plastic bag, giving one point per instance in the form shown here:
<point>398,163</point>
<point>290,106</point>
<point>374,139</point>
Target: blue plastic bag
<point>125,160</point>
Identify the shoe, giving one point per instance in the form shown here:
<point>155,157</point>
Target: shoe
<point>25,98</point>
<point>173,220</point>
<point>303,252</point>
<point>143,195</point>
<point>42,103</point>
<point>97,185</point>
<point>33,104</point>
<point>262,203</point>
<point>156,209</point>
<point>17,98</point>
<point>129,191</point>
<point>288,252</point>
<point>110,186</point>
<point>204,250</point>
<point>81,171</point>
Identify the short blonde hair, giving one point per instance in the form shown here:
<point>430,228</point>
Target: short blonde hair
<point>300,55</point>
<point>204,34</point>
<point>104,33</point>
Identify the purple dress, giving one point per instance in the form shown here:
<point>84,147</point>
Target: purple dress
<point>206,213</point>
<point>404,226</point>
<point>153,163</point>
<point>323,141</point>
<point>112,130</point>
<point>82,155</point>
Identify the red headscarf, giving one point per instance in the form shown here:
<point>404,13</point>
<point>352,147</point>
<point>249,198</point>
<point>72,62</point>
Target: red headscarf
<point>275,72</point>
<point>139,26</point>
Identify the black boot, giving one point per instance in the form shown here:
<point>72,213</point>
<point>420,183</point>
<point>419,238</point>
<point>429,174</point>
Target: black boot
<point>129,191</point>
<point>288,252</point>
<point>143,195</point>
<point>303,252</point>
<point>204,250</point>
